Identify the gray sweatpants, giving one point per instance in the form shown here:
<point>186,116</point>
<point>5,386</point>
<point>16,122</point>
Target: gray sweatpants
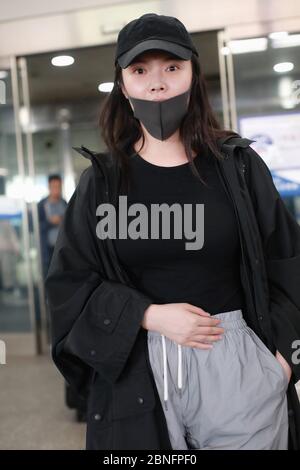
<point>232,396</point>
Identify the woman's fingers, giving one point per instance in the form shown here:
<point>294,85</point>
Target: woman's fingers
<point>208,324</point>
<point>210,330</point>
<point>203,313</point>
<point>198,310</point>
<point>206,318</point>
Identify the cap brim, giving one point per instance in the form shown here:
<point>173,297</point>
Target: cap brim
<point>182,52</point>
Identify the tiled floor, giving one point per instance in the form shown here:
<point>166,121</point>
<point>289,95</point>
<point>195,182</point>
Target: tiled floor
<point>14,311</point>
<point>32,410</point>
<point>33,414</point>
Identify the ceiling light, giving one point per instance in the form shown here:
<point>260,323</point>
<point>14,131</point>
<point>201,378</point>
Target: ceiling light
<point>278,35</point>
<point>283,67</point>
<point>248,45</point>
<point>62,60</point>
<point>291,40</point>
<point>106,87</point>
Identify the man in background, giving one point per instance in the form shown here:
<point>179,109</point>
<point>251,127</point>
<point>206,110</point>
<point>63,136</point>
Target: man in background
<point>51,210</point>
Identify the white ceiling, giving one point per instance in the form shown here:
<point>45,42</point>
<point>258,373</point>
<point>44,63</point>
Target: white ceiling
<point>17,9</point>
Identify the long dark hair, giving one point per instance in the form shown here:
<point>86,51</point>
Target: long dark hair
<point>199,128</point>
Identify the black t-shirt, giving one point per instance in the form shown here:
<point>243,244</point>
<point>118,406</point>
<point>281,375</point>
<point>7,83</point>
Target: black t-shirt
<point>164,269</point>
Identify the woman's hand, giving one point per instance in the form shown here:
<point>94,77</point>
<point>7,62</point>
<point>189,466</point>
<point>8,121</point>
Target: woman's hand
<point>284,364</point>
<point>183,323</point>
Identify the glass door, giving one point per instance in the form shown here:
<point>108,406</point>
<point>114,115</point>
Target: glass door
<point>22,310</point>
<point>266,95</point>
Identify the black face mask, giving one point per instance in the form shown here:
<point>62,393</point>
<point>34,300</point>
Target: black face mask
<point>161,118</point>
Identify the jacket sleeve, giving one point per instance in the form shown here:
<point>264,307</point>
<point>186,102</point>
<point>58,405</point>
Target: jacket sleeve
<point>94,320</point>
<point>280,234</point>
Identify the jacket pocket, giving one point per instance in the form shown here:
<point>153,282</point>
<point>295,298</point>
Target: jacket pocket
<point>133,395</point>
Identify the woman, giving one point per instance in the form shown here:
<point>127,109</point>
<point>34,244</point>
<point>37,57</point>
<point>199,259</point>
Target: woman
<point>128,309</point>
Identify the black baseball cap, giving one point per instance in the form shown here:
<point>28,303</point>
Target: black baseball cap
<point>152,31</point>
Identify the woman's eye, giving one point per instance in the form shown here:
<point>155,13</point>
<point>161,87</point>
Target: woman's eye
<point>173,66</point>
<point>141,68</point>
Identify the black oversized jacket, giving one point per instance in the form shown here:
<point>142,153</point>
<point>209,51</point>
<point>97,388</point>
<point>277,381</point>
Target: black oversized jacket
<point>98,343</point>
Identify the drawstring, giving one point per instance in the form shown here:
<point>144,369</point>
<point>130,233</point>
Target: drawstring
<point>165,370</point>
